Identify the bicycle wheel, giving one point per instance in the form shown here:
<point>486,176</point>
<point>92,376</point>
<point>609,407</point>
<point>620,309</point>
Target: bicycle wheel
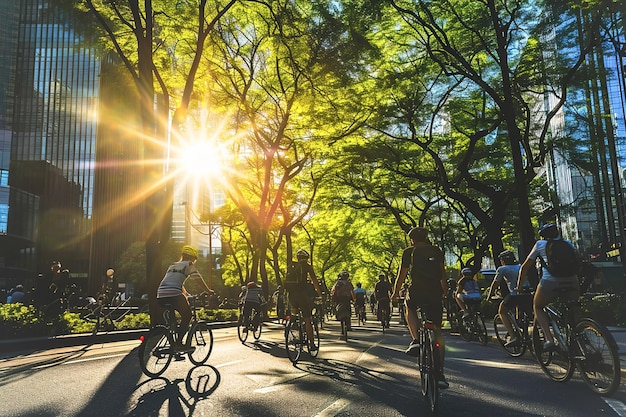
<point>344,330</point>
<point>480,330</point>
<point>503,336</point>
<point>257,324</point>
<point>155,353</point>
<point>202,342</point>
<point>242,329</point>
<point>465,328</point>
<point>316,338</point>
<point>428,376</point>
<point>556,363</point>
<point>600,368</point>
<point>293,340</point>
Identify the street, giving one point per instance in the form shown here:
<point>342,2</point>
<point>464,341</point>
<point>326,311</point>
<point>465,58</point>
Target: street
<point>368,376</point>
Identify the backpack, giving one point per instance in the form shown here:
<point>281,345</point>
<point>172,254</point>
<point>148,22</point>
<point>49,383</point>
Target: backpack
<point>425,265</point>
<point>340,289</point>
<point>295,274</point>
<point>562,258</point>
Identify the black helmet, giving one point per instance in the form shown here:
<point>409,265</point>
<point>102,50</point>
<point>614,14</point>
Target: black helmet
<point>302,254</point>
<point>418,234</point>
<point>549,231</point>
<point>507,256</point>
<point>382,276</point>
<point>344,274</point>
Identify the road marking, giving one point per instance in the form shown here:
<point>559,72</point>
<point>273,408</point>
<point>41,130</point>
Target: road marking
<point>489,363</point>
<point>333,409</point>
<point>617,406</point>
<point>221,365</point>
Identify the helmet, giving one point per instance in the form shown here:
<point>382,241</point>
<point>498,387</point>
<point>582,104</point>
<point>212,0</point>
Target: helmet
<point>507,256</point>
<point>382,276</point>
<point>467,272</point>
<point>190,251</point>
<point>549,231</point>
<point>302,254</point>
<point>358,284</point>
<point>251,284</point>
<point>110,272</point>
<point>418,234</point>
<point>344,274</point>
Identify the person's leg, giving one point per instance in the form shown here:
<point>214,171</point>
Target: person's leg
<point>504,315</point>
<point>542,299</point>
<point>182,306</point>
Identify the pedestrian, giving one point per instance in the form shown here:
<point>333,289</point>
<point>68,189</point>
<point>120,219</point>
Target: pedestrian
<point>18,295</point>
<point>428,287</point>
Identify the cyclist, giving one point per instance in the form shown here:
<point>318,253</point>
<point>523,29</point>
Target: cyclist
<point>360,295</point>
<point>383,290</point>
<point>299,295</point>
<point>252,298</point>
<point>428,287</point>
<point>342,293</point>
<point>467,291</point>
<point>172,292</point>
<point>508,272</point>
<point>548,284</point>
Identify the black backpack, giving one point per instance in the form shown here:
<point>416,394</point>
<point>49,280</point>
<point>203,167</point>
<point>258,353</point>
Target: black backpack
<point>295,274</point>
<point>426,266</point>
<point>563,261</point>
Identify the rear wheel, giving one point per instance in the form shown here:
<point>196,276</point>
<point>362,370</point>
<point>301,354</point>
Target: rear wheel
<point>600,368</point>
<point>258,325</point>
<point>202,342</point>
<point>155,353</point>
<point>316,338</point>
<point>465,328</point>
<point>242,329</point>
<point>293,340</point>
<point>344,330</point>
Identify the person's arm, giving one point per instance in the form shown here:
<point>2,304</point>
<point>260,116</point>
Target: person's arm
<point>523,271</point>
<point>315,282</point>
<point>402,273</point>
<point>496,279</point>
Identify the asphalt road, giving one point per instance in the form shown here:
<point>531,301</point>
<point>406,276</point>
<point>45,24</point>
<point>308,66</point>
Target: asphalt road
<point>367,376</point>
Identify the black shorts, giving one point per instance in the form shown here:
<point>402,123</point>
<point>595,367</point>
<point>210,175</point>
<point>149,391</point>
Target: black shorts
<point>523,301</point>
<point>432,307</point>
<point>300,298</point>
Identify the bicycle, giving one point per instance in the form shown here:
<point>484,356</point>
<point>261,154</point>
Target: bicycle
<point>296,337</point>
<point>473,325</point>
<point>429,361</point>
<point>344,313</point>
<point>360,314</point>
<point>521,328</point>
<point>583,343</point>
<point>253,325</point>
<point>156,352</point>
<point>385,316</point>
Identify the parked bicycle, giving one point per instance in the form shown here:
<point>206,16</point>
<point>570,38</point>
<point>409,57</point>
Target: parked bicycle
<point>295,334</point>
<point>472,326</point>
<point>521,328</point>
<point>252,324</point>
<point>156,351</point>
<point>582,343</point>
<point>429,361</point>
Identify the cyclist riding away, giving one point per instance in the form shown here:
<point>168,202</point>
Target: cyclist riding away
<point>467,290</point>
<point>382,291</point>
<point>360,296</point>
<point>428,287</point>
<point>297,286</point>
<point>508,272</point>
<point>171,290</point>
<point>252,298</point>
<point>552,282</point>
<point>342,294</point>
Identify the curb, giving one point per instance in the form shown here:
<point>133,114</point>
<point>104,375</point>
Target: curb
<point>39,343</point>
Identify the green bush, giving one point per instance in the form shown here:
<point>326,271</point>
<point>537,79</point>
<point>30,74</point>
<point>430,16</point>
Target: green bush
<point>20,320</point>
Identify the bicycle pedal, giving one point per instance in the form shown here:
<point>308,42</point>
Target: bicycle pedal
<point>179,357</point>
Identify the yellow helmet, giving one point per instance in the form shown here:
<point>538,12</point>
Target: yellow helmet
<point>190,251</point>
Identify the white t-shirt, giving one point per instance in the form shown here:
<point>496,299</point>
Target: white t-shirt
<point>540,250</point>
<point>172,283</point>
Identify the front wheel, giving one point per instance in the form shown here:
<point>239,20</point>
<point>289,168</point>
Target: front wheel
<point>316,338</point>
<point>555,363</point>
<point>465,328</point>
<point>503,336</point>
<point>481,330</point>
<point>600,366</point>
<point>155,353</point>
<point>202,342</point>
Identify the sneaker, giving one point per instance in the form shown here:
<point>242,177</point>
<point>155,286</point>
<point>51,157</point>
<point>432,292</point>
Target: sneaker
<point>548,346</point>
<point>442,383</point>
<point>512,342</point>
<point>413,349</point>
<point>313,349</point>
